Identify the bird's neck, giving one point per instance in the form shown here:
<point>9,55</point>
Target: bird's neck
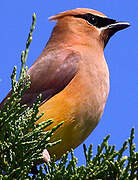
<point>69,36</point>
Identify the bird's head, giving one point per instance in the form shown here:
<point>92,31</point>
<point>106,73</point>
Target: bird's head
<point>88,24</point>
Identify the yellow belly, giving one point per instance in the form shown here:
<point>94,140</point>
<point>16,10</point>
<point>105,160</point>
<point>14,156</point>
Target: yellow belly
<point>59,108</point>
<point>80,117</point>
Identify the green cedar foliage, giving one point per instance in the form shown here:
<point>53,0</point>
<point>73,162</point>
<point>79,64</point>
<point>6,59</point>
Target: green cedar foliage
<point>107,164</point>
<point>20,147</point>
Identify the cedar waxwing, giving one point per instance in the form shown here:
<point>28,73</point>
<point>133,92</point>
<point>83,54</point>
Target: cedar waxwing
<point>72,75</point>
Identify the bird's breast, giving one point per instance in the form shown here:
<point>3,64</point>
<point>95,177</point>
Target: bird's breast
<point>80,105</point>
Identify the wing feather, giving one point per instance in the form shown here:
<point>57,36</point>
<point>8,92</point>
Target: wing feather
<point>50,74</point>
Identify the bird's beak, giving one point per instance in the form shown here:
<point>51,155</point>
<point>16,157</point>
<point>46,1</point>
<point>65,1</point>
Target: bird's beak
<point>117,26</point>
<point>111,29</point>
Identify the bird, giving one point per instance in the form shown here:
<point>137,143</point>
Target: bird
<point>72,75</point>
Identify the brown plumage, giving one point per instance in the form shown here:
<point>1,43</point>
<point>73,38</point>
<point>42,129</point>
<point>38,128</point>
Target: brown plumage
<point>72,75</point>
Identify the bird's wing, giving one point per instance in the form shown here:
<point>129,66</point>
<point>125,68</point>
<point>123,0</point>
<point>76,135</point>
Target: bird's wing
<point>50,74</point>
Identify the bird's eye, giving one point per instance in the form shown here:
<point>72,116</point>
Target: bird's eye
<point>93,20</point>
<point>90,18</point>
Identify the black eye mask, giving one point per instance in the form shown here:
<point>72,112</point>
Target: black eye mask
<point>96,20</point>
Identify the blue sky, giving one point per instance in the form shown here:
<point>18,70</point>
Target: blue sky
<point>121,53</point>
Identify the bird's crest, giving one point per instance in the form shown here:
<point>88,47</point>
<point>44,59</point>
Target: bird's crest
<point>75,12</point>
